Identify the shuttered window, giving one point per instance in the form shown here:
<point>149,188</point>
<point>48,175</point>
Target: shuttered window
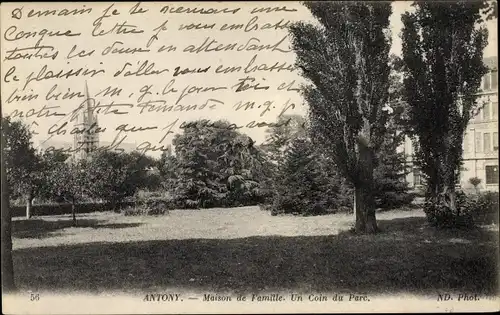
<point>491,174</point>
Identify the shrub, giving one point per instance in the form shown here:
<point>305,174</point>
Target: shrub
<point>113,176</point>
<point>394,199</point>
<point>471,210</point>
<point>283,204</point>
<point>149,206</point>
<point>485,208</point>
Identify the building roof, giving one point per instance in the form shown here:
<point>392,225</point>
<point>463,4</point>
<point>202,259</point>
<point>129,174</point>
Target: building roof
<point>491,63</point>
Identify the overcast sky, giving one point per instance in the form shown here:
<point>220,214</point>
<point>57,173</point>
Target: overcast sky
<point>169,60</point>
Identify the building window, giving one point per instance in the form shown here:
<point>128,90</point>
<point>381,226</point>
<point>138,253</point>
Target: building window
<point>494,110</point>
<point>417,180</point>
<point>486,142</point>
<point>491,174</point>
<point>495,141</point>
<point>478,142</point>
<point>486,111</point>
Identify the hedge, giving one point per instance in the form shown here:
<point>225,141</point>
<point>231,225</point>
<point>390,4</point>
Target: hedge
<point>63,208</point>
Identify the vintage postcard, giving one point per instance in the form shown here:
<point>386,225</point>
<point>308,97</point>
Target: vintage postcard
<point>249,157</point>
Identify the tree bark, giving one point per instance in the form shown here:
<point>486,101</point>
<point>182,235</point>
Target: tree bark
<point>354,205</point>
<point>8,284</point>
<point>29,203</point>
<point>364,199</point>
<point>449,198</point>
<point>365,210</point>
<point>73,212</point>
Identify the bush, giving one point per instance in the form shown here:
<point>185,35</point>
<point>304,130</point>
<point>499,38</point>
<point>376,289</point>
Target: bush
<point>149,206</point>
<point>484,209</point>
<point>474,181</point>
<point>471,210</point>
<point>113,176</point>
<point>285,205</point>
<point>65,208</point>
<point>394,199</point>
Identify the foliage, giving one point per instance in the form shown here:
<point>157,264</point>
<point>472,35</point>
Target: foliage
<point>490,10</point>
<point>485,207</point>
<point>442,53</point>
<point>346,59</point>
<point>167,167</point>
<point>471,209</point>
<point>304,180</point>
<point>475,181</point>
<point>300,185</point>
<point>147,174</point>
<point>113,176</point>
<point>390,188</point>
<point>67,181</point>
<point>7,266</point>
<point>147,206</point>
<point>279,136</point>
<point>50,162</point>
<point>214,166</point>
<point>21,159</point>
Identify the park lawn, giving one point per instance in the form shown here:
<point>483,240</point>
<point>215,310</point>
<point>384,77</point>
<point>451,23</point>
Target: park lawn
<point>244,250</point>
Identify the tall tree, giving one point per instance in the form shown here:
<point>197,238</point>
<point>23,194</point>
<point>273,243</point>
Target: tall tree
<point>113,176</point>
<point>391,189</point>
<point>281,134</point>
<point>443,63</point>
<point>346,58</point>
<point>67,181</point>
<point>216,166</point>
<point>167,167</point>
<point>23,164</point>
<point>197,184</point>
<point>8,284</point>
<point>305,183</point>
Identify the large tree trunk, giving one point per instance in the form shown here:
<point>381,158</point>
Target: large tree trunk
<point>6,227</point>
<point>365,210</point>
<point>364,199</point>
<point>442,209</point>
<point>452,199</point>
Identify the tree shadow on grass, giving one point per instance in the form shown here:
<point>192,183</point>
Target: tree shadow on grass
<point>403,258</point>
<point>39,228</point>
<point>417,229</point>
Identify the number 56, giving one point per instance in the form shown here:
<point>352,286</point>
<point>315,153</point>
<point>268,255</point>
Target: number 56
<point>34,297</point>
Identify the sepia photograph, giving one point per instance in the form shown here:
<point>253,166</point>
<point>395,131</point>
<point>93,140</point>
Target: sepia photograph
<point>249,157</point>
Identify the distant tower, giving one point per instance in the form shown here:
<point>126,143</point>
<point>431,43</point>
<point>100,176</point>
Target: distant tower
<point>86,140</point>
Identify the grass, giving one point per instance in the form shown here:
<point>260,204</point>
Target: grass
<point>247,250</point>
